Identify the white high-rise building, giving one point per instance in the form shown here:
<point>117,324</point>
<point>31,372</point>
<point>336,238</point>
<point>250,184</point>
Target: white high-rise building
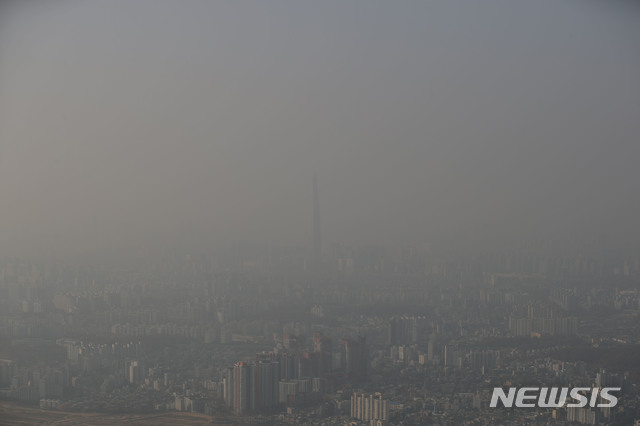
<point>371,407</point>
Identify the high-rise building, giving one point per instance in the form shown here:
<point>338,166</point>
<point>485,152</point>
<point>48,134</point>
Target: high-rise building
<point>6,372</point>
<point>356,357</point>
<point>242,386</point>
<point>135,371</point>
<point>286,390</point>
<point>228,383</point>
<point>249,386</point>
<point>369,407</point>
<point>267,378</point>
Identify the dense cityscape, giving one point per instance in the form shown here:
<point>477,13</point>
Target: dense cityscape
<point>366,335</point>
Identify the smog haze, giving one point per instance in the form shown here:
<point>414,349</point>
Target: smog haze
<point>133,124</point>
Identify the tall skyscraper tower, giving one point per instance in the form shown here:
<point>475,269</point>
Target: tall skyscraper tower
<point>317,245</point>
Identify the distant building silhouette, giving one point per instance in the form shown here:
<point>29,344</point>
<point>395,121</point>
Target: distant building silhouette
<point>317,244</point>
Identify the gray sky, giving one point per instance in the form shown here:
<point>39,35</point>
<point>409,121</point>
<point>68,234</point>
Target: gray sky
<point>126,123</point>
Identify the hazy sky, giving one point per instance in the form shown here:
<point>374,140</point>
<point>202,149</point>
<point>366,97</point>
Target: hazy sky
<point>144,122</point>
